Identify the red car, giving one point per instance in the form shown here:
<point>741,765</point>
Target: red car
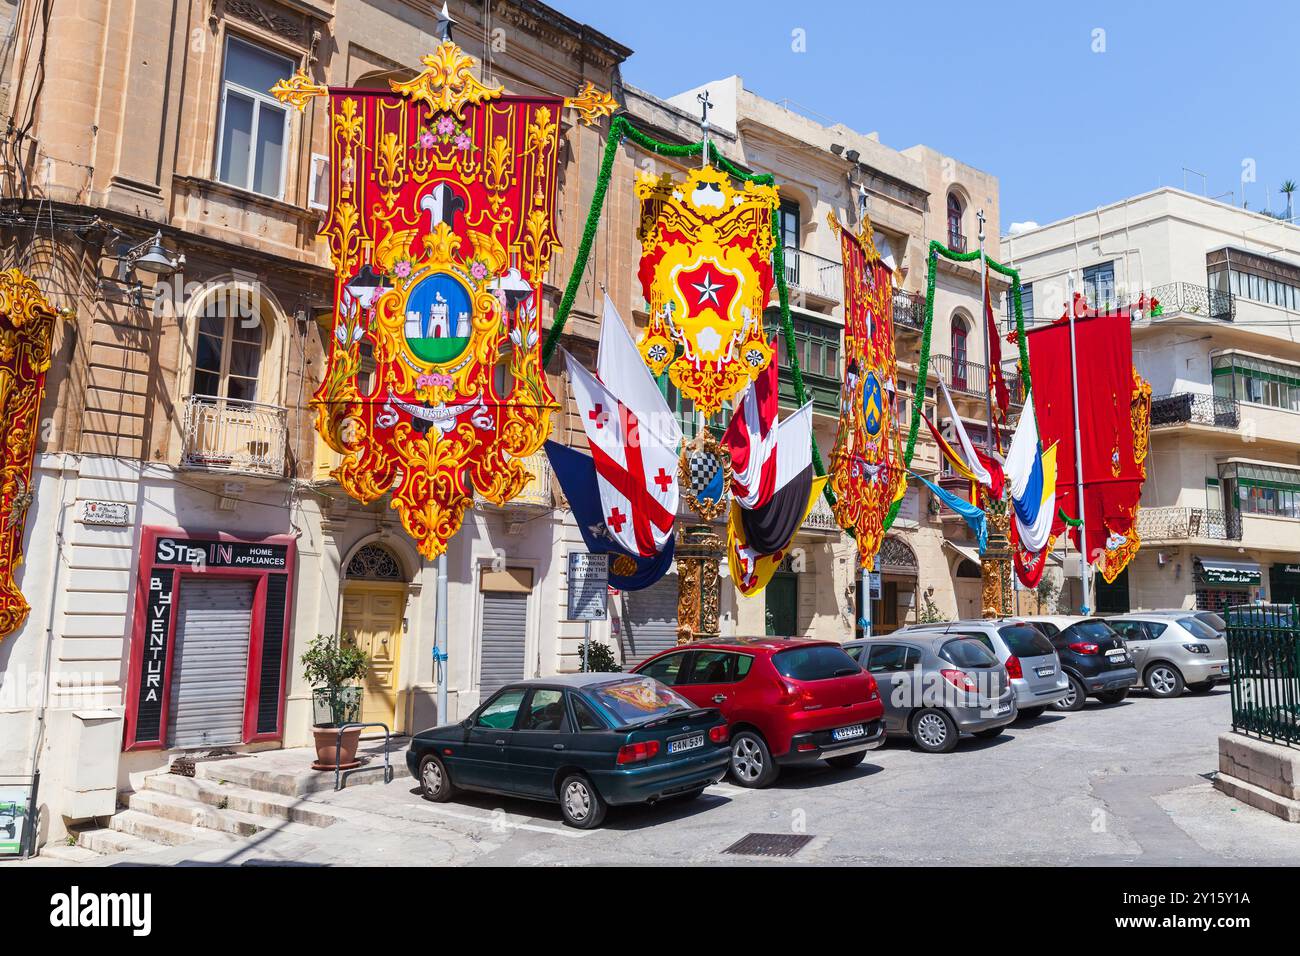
<point>786,701</point>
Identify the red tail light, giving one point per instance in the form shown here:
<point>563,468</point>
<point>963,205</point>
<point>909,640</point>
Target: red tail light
<point>1014,670</point>
<point>1084,647</point>
<point>873,691</point>
<point>718,734</point>
<point>960,679</point>
<point>635,753</point>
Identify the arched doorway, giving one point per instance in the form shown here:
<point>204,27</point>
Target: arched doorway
<point>373,608</point>
<point>969,586</point>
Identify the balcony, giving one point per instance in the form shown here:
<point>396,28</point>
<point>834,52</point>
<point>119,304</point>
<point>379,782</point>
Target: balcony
<point>228,436</point>
<point>909,311</point>
<point>821,519</point>
<point>1189,408</point>
<point>813,275</point>
<point>1171,525</point>
<point>1187,298</point>
<point>536,494</point>
<point>956,242</point>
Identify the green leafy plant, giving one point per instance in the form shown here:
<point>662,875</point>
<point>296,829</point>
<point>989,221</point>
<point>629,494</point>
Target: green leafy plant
<point>600,658</point>
<point>1288,189</point>
<point>334,667</point>
<point>930,613</point>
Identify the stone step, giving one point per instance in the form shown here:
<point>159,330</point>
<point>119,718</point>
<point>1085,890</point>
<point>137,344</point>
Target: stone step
<point>165,806</point>
<point>104,841</point>
<point>162,830</point>
<point>290,781</point>
<point>68,853</point>
<point>229,796</point>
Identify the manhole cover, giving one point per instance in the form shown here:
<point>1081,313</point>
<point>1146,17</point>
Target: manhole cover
<point>769,844</point>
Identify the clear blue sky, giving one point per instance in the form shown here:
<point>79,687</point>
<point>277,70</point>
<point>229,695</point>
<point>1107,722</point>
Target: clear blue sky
<point>1064,128</point>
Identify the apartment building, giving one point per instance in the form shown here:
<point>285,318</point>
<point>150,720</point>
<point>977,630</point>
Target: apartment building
<point>1220,511</point>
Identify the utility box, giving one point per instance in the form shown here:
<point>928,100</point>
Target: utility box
<point>92,746</point>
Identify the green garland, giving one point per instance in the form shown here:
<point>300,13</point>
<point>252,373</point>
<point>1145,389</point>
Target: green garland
<point>1072,522</point>
<point>621,128</point>
<point>923,365</point>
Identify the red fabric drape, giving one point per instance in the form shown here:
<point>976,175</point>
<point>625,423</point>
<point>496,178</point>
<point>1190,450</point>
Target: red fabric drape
<point>1112,478</point>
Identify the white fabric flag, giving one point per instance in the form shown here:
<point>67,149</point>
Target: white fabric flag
<point>968,448</point>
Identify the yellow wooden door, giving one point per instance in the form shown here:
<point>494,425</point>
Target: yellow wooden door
<point>372,619</point>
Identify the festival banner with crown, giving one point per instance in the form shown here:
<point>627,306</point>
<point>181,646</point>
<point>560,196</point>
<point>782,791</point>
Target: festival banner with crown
<point>706,270</point>
<point>867,471</point>
<point>441,228</point>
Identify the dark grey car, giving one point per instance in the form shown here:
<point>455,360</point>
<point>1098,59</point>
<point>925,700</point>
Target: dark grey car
<point>935,687</point>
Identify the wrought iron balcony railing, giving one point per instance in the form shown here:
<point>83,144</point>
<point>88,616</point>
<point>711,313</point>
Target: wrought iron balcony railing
<point>1195,408</point>
<point>814,275</point>
<point>1189,298</point>
<point>909,310</point>
<point>821,518</point>
<point>1184,524</point>
<point>222,434</point>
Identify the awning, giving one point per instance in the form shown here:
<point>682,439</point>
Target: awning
<point>970,553</point>
<point>1220,571</point>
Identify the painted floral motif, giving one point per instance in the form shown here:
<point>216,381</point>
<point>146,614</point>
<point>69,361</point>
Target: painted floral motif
<point>446,129</point>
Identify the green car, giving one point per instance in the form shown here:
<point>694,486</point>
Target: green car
<point>585,741</point>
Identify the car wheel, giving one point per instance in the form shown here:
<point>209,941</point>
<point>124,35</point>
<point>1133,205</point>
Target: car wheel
<point>1074,697</point>
<point>1163,680</point>
<point>847,761</point>
<point>580,803</point>
<point>934,731</point>
<point>435,785</point>
<point>751,762</point>
<point>1201,687</point>
<point>1112,696</point>
<point>1032,713</point>
<point>989,733</point>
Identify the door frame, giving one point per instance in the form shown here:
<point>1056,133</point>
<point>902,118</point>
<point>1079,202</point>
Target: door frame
<point>384,587</point>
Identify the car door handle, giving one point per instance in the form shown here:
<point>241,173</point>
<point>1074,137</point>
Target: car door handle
<point>557,746</point>
<point>499,743</point>
<point>719,698</point>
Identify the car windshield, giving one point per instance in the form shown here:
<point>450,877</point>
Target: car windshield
<point>1088,631</point>
<point>819,662</point>
<point>638,699</point>
<point>1198,629</point>
<point>1025,641</point>
<point>967,652</point>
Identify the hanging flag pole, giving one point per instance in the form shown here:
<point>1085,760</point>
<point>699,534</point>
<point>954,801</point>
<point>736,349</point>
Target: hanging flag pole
<point>1085,606</point>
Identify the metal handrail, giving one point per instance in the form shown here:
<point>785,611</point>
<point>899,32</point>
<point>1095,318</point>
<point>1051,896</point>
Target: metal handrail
<point>338,744</point>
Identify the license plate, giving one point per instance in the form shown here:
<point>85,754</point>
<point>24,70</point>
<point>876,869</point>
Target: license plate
<point>685,743</point>
<point>1046,671</point>
<point>848,733</point>
<point>1004,709</point>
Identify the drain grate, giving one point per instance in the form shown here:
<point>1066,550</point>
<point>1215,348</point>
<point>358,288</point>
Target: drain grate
<point>769,844</point>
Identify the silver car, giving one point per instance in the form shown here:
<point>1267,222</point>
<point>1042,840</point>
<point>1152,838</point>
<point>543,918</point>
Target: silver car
<point>936,686</point>
<point>1030,659</point>
<point>1172,653</point>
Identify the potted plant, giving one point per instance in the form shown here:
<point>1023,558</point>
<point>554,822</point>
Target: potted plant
<point>335,668</point>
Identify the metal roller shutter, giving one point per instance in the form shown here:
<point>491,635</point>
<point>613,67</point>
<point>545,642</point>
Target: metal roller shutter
<point>649,622</point>
<point>210,673</point>
<point>501,650</point>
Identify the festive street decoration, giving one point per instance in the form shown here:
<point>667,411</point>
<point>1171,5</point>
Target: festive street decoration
<point>26,332</point>
<point>441,229</point>
<point>1031,485</point>
<point>865,475</point>
<point>706,270</point>
<point>1114,413</point>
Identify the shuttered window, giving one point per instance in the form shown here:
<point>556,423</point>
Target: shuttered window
<point>210,671</point>
<point>649,621</point>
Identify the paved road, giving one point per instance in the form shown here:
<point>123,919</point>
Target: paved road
<point>1107,785</point>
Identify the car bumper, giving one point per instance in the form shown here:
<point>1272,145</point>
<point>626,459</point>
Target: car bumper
<point>1026,696</point>
<point>1118,679</point>
<point>821,744</point>
<point>656,781</point>
<point>413,761</point>
<point>971,720</point>
<point>1197,672</point>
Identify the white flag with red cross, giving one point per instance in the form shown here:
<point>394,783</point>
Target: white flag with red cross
<point>634,439</point>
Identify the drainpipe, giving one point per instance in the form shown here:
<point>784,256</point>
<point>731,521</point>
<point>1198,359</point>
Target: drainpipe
<point>440,636</point>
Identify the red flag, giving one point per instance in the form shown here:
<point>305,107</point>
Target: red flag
<point>997,382</point>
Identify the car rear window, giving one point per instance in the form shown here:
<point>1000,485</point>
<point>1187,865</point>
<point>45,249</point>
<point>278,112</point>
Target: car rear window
<point>1088,631</point>
<point>639,698</point>
<point>967,652</point>
<point>1025,641</point>
<point>819,662</point>
<point>1212,619</point>
<point>1198,629</point>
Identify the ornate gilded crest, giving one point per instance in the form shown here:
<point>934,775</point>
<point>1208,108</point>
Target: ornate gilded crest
<point>441,228</point>
<point>866,464</point>
<point>706,270</point>
<point>26,331</point>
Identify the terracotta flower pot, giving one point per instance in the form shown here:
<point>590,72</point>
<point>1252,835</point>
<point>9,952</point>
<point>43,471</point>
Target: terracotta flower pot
<point>331,754</point>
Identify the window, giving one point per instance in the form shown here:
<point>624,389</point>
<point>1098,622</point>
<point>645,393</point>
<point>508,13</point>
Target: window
<point>1099,285</point>
<point>1261,289</point>
<point>819,662</point>
<point>712,667</point>
<point>960,335</point>
<point>1026,305</point>
<point>666,669</point>
<point>1025,641</point>
<point>956,241</point>
<point>228,353</point>
<point>586,718</point>
<point>1264,489</point>
<point>639,699</point>
<point>892,658</point>
<point>1258,380</point>
<point>966,652</point>
<point>545,711</point>
<point>253,130</point>
<point>500,712</point>
<point>789,220</point>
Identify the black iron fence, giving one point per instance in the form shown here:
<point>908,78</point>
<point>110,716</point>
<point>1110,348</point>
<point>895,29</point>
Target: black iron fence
<point>1264,660</point>
<point>909,310</point>
<point>1195,408</point>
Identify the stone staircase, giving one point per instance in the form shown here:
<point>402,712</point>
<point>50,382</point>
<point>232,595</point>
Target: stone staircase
<point>213,807</point>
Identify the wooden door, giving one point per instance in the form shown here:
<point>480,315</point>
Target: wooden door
<point>372,619</point>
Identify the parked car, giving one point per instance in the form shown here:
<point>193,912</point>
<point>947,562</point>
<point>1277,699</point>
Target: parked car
<point>1095,659</point>
<point>1030,660</point>
<point>1210,618</point>
<point>786,701</point>
<point>1173,653</point>
<point>937,686</point>
<point>586,741</point>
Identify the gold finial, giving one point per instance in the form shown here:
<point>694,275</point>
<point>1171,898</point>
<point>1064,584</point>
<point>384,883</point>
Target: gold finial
<point>448,82</point>
<point>297,90</point>
<point>591,103</point>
